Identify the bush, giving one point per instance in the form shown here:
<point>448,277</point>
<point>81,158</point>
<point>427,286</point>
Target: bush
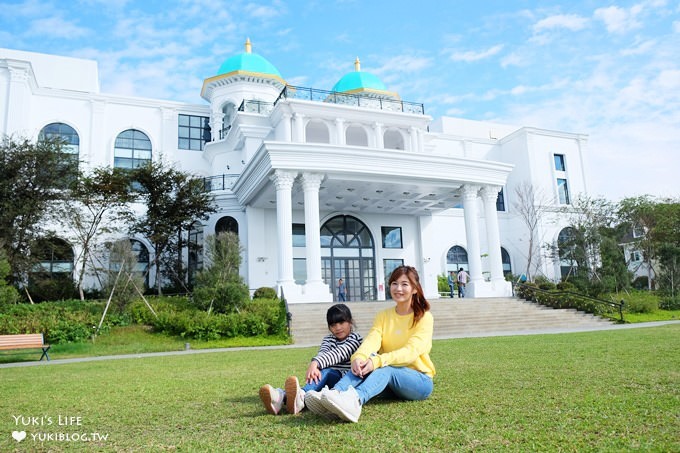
<point>265,292</point>
<point>641,305</point>
<point>51,288</point>
<point>60,322</point>
<point>670,303</point>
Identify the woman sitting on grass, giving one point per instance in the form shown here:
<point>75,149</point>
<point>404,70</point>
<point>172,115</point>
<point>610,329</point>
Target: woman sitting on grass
<point>325,369</point>
<point>394,355</point>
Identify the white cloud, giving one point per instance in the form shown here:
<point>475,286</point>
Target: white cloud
<point>471,56</point>
<point>571,22</point>
<point>57,27</point>
<point>618,20</point>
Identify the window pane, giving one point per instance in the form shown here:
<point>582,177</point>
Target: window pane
<point>391,237</point>
<point>563,191</point>
<point>559,162</point>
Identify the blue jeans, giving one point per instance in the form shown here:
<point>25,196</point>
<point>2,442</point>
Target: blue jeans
<point>329,377</point>
<point>406,383</point>
<point>461,290</point>
<point>451,286</point>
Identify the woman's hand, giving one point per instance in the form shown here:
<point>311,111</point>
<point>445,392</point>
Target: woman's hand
<point>362,368</point>
<point>313,373</point>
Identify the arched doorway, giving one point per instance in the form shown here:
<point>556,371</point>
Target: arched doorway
<point>456,258</point>
<point>348,252</point>
<point>226,224</point>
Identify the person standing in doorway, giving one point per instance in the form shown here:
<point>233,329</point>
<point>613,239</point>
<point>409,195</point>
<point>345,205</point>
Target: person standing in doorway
<point>463,278</point>
<point>342,292</point>
<point>452,283</point>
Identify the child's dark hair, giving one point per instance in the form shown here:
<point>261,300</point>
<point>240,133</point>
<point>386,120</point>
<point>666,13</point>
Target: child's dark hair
<point>339,313</point>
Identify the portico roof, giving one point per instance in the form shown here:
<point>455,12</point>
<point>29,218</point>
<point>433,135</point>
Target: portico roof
<point>357,179</point>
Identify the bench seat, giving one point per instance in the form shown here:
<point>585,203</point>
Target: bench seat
<point>25,341</point>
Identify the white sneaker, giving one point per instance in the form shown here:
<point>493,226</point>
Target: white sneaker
<point>295,396</point>
<point>271,398</point>
<point>343,404</point>
<point>315,405</point>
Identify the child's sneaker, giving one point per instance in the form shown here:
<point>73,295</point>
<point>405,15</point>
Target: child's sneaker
<point>271,398</point>
<point>295,396</point>
<point>315,406</point>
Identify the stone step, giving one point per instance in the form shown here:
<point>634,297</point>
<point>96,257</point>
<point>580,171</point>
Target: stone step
<point>452,318</point>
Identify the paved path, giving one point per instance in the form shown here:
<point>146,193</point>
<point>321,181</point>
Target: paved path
<point>250,348</point>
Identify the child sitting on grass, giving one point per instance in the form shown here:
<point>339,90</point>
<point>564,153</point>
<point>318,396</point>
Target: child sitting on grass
<point>326,368</point>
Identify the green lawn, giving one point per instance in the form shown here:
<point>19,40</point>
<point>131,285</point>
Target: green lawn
<point>592,391</point>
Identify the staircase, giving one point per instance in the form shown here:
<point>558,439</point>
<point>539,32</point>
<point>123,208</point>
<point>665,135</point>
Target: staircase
<point>453,318</point>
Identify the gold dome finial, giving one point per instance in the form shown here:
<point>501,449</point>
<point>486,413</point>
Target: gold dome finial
<point>249,47</point>
<point>357,65</point>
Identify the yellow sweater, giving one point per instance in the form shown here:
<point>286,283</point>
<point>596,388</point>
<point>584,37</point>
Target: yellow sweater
<point>399,344</point>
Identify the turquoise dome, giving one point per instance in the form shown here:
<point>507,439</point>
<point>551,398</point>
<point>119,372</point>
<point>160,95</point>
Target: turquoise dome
<point>363,82</point>
<point>358,81</point>
<point>248,62</point>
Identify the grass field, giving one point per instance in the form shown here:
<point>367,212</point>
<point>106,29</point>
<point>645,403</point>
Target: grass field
<point>593,391</point>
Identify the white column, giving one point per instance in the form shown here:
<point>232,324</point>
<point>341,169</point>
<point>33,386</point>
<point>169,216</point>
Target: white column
<point>378,131</point>
<point>472,232</point>
<point>413,136</point>
<point>283,180</point>
<point>310,184</point>
<point>489,196</point>
<point>216,124</point>
<point>18,105</point>
<point>298,129</point>
<point>340,131</point>
<point>286,129</point>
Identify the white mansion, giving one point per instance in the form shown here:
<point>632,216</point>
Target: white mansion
<point>346,182</point>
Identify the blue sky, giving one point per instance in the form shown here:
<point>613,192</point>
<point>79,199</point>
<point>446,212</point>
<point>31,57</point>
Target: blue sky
<point>610,70</point>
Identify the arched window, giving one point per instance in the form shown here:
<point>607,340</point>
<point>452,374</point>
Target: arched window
<point>356,136</point>
<point>67,134</point>
<point>52,277</point>
<point>229,112</point>
<point>392,139</point>
<point>567,248</point>
<point>505,259</point>
<point>348,252</point>
<point>132,149</point>
<point>55,257</point>
<point>226,224</point>
<point>317,132</point>
<point>70,149</point>
<point>134,254</point>
<point>456,258</point>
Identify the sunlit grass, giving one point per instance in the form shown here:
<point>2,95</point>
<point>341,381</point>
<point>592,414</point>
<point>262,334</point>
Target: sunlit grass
<point>593,391</point>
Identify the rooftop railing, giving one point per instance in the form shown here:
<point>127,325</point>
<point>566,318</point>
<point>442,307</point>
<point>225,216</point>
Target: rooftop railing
<point>356,100</point>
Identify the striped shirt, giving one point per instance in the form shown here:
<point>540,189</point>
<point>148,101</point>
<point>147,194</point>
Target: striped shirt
<point>335,354</point>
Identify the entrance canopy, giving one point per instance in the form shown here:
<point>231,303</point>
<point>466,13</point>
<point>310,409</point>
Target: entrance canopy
<point>360,179</point>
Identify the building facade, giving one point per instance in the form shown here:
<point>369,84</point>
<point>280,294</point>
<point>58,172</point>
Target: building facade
<point>318,184</point>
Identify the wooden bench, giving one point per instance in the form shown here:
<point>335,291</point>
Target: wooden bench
<point>25,341</point>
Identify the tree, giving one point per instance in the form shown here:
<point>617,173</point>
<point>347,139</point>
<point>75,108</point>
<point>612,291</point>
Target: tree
<point>531,207</point>
<point>667,235</point>
<point>589,216</point>
<point>173,200</point>
<point>638,214</point>
<point>220,287</point>
<point>8,294</point>
<point>97,206</point>
<point>32,176</point>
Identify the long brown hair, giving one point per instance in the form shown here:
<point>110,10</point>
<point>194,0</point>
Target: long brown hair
<point>418,302</point>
